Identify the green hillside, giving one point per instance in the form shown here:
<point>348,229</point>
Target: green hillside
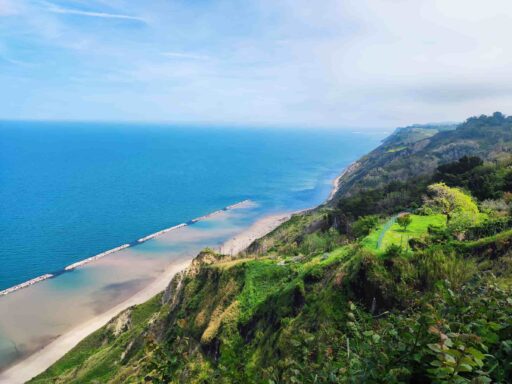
<point>346,293</point>
<point>382,237</point>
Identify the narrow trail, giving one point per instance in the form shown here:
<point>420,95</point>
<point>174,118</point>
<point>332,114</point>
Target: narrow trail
<point>386,228</point>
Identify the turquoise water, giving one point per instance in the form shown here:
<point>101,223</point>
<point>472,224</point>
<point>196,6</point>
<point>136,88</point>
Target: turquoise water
<point>72,190</point>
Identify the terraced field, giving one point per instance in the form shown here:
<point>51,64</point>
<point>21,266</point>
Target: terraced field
<point>391,233</point>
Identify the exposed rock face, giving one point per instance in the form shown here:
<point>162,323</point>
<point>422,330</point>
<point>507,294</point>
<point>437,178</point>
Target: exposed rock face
<point>206,257</point>
<point>121,323</point>
<point>171,292</point>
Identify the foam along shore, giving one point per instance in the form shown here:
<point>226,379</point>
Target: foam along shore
<point>45,357</point>
<point>81,263</point>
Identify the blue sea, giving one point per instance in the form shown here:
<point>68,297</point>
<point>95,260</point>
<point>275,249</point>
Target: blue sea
<point>72,190</point>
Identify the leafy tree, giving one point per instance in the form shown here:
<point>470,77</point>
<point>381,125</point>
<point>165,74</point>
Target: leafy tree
<point>460,209</point>
<point>507,182</point>
<point>463,165</point>
<point>484,181</point>
<point>449,201</point>
<point>404,221</point>
<point>364,225</point>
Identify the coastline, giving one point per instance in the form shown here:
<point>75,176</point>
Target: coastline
<point>336,183</point>
<point>257,230</point>
<point>41,360</point>
<point>81,263</point>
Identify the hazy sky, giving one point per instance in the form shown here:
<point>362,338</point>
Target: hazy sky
<point>358,63</point>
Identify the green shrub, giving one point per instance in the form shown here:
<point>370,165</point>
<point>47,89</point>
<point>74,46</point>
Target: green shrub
<point>364,225</point>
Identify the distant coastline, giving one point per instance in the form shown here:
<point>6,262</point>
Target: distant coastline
<point>336,183</point>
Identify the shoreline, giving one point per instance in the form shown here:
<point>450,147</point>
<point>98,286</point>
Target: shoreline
<point>41,360</point>
<point>260,228</point>
<point>81,263</point>
<point>336,183</point>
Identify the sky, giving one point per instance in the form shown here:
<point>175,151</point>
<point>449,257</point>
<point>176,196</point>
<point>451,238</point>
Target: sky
<point>309,63</point>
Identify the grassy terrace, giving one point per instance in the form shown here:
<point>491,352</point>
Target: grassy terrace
<point>397,149</point>
<point>396,235</point>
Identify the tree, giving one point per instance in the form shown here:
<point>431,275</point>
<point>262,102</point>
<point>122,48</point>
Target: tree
<point>364,225</point>
<point>507,182</point>
<point>449,201</point>
<point>463,165</point>
<point>460,209</point>
<point>404,220</point>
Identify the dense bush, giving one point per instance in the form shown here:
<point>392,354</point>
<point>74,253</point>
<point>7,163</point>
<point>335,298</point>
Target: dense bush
<point>364,225</point>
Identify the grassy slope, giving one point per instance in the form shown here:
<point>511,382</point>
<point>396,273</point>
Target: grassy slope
<point>94,359</point>
<point>397,236</point>
<point>246,312</point>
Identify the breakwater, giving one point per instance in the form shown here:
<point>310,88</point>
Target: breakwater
<point>81,263</point>
<point>241,204</point>
<point>156,234</point>
<point>26,284</point>
<point>94,258</point>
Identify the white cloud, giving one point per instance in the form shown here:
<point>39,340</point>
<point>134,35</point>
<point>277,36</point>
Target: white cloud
<point>186,56</point>
<point>8,8</point>
<point>296,62</point>
<point>104,15</point>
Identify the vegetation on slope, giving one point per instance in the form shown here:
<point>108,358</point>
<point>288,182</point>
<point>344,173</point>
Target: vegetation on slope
<point>488,137</point>
<point>391,233</point>
<point>322,300</point>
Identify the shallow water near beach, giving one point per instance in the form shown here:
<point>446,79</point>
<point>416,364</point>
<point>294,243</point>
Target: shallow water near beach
<point>70,191</point>
<point>34,316</point>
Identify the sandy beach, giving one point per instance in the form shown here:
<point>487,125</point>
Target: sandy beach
<point>337,181</point>
<point>259,229</point>
<point>41,360</point>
